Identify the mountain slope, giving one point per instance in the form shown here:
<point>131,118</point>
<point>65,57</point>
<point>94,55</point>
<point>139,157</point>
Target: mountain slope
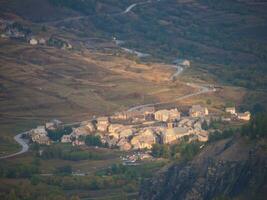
<point>230,168</point>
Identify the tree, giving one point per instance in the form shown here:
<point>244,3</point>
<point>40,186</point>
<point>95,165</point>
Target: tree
<point>92,140</point>
<point>75,197</point>
<point>160,150</point>
<point>35,180</point>
<point>208,101</point>
<point>55,135</point>
<point>257,127</point>
<point>258,108</point>
<point>64,170</point>
<point>12,195</point>
<point>205,125</point>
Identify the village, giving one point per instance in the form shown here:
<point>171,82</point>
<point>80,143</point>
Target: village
<point>14,30</point>
<point>140,129</point>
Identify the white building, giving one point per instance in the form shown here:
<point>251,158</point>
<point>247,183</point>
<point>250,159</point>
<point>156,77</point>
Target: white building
<point>182,62</point>
<point>66,139</point>
<point>33,41</point>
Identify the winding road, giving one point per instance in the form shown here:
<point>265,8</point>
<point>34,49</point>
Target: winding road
<point>74,18</point>
<point>22,142</point>
<point>201,90</point>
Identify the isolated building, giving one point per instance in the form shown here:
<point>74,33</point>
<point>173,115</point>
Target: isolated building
<point>182,62</point>
<point>33,41</point>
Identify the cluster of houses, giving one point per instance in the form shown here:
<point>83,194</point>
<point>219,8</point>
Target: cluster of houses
<point>40,134</point>
<point>13,30</point>
<point>138,129</point>
<point>240,116</point>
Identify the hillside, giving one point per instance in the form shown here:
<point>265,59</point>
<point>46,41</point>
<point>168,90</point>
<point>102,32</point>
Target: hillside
<point>223,38</point>
<point>232,168</point>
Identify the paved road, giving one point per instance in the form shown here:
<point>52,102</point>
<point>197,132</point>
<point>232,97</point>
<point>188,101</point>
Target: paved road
<point>22,142</point>
<point>128,9</point>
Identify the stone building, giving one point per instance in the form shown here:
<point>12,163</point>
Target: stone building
<point>166,115</point>
<point>145,139</point>
<point>102,124</point>
<point>244,116</point>
<point>66,139</point>
<point>171,135</point>
<point>230,110</point>
<point>198,111</point>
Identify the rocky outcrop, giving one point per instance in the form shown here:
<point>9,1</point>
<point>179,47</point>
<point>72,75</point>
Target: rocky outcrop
<point>229,168</point>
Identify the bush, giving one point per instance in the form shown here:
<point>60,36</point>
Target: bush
<point>64,170</point>
<point>56,135</point>
<point>92,140</point>
<point>73,154</point>
<point>159,150</point>
<point>215,136</point>
<point>18,171</point>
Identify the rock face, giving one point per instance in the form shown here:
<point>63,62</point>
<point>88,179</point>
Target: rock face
<point>229,168</point>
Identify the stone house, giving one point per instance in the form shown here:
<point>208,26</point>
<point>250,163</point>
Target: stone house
<point>102,124</point>
<point>33,41</point>
<point>244,116</point>
<point>203,136</point>
<point>53,125</point>
<point>66,139</point>
<point>39,135</point>
<point>127,132</point>
<point>198,111</point>
<point>162,115</point>
<point>41,139</point>
<point>171,135</point>
<point>145,139</point>
<point>78,143</point>
<point>230,110</point>
<point>81,131</point>
<point>124,145</point>
<point>166,115</point>
<point>115,128</point>
<point>42,41</point>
